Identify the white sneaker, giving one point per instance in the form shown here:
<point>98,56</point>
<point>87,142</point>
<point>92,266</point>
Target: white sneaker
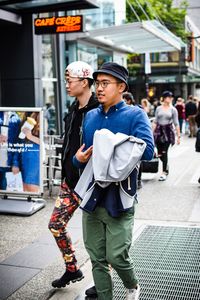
<point>133,294</point>
<point>163,177</point>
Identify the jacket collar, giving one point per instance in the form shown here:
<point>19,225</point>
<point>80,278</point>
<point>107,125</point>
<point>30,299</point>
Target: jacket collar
<point>114,107</point>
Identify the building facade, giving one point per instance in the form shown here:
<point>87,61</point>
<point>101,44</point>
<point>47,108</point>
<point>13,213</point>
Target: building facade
<point>32,65</point>
<point>178,71</point>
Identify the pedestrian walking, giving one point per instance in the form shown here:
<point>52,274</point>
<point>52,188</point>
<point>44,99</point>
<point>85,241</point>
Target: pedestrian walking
<point>164,126</point>
<point>78,76</point>
<point>50,116</point>
<point>190,112</point>
<point>128,98</point>
<point>146,105</point>
<point>107,228</point>
<point>197,120</point>
<point>180,106</point>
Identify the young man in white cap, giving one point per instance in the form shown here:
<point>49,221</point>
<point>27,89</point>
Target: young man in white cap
<point>78,77</point>
<point>107,226</point>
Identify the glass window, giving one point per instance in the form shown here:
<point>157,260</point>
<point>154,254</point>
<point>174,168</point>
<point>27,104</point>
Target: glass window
<point>87,53</point>
<point>109,13</point>
<point>93,55</point>
<point>165,57</point>
<point>103,56</point>
<point>49,83</point>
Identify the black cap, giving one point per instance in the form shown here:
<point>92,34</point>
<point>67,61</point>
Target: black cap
<point>167,94</point>
<point>115,70</point>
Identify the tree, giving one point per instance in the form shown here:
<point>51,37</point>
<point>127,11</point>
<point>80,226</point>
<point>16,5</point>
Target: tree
<point>172,17</point>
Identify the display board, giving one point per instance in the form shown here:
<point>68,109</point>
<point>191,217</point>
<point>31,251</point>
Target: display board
<point>21,152</point>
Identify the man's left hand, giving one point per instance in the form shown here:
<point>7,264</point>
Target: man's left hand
<point>84,156</point>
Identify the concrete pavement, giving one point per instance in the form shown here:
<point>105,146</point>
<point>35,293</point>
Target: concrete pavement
<point>30,260</point>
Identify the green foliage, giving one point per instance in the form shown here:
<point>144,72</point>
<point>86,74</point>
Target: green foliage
<point>172,17</point>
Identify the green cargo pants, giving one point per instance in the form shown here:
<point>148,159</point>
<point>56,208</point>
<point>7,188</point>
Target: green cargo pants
<point>107,241</point>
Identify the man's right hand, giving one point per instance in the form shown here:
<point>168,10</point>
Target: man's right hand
<point>84,156</point>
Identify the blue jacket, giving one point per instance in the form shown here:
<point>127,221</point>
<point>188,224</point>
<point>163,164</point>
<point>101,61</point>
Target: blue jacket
<point>130,120</point>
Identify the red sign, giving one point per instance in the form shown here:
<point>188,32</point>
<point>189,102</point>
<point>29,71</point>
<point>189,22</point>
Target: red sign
<point>62,24</point>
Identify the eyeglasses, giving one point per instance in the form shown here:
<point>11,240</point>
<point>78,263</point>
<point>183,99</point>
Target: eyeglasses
<point>104,83</point>
<point>70,82</point>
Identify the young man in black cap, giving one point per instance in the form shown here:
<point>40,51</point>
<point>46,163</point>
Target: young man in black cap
<point>78,76</point>
<point>108,238</point>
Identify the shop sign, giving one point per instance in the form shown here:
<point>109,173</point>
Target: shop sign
<point>162,79</point>
<point>61,24</point>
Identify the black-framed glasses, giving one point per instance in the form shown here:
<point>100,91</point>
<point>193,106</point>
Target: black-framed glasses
<point>104,83</point>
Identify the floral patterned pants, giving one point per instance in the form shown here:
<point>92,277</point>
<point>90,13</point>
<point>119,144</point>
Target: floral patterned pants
<point>66,203</point>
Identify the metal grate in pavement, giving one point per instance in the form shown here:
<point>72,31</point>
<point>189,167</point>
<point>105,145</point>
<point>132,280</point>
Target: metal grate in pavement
<point>167,264</point>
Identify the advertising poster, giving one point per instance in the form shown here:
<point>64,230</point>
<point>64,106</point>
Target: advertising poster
<point>21,149</point>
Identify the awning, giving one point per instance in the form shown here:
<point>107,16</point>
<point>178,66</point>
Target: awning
<point>137,37</point>
<point>38,6</point>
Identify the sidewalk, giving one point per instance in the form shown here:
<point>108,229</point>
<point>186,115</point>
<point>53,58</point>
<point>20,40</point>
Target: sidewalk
<point>30,259</point>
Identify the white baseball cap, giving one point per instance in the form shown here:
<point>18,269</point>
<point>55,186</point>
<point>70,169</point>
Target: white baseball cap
<point>79,69</point>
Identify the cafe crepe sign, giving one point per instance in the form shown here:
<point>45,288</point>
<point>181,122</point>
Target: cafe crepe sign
<point>62,24</point>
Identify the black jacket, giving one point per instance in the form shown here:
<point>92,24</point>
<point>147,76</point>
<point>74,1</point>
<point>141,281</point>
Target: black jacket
<point>73,139</point>
<point>190,109</point>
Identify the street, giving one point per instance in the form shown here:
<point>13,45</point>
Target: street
<point>176,199</point>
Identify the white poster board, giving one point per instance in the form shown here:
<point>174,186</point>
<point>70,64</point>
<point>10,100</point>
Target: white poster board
<point>21,151</point>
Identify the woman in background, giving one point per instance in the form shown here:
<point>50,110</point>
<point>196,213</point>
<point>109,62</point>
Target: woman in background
<point>166,120</point>
<point>146,105</point>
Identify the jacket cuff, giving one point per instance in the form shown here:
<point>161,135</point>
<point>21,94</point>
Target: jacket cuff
<point>77,163</point>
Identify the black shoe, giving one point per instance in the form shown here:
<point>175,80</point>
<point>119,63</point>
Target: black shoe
<point>167,171</point>
<point>66,278</point>
<point>91,292</point>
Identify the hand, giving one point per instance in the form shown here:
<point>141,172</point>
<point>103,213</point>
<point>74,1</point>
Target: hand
<point>84,156</point>
<point>178,140</point>
<point>3,138</point>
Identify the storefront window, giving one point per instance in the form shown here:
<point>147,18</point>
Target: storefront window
<point>165,57</point>
<point>49,84</point>
<point>109,13</point>
<point>103,56</point>
<point>93,55</point>
<point>87,53</point>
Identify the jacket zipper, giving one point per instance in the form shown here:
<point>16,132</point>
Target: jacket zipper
<point>69,131</point>
<point>129,183</point>
<point>81,139</point>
